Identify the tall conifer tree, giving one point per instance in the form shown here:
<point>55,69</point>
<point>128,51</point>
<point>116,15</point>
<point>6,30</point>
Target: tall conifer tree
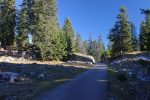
<point>7,24</point>
<point>142,37</point>
<point>120,35</point>
<point>95,50</point>
<point>78,43</point>
<point>70,36</point>
<point>23,31</point>
<point>101,48</point>
<point>134,38</point>
<point>84,47</point>
<point>44,28</point>
<point>147,29</point>
<point>90,43</point>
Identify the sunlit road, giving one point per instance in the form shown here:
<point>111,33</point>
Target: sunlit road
<point>91,85</point>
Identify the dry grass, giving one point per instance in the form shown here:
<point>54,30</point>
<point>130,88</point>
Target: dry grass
<point>55,75</point>
<point>117,89</point>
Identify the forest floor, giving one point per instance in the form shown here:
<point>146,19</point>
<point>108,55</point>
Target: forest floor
<point>35,78</point>
<point>91,85</point>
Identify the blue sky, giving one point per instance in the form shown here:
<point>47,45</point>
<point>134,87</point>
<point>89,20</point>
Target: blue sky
<point>98,16</point>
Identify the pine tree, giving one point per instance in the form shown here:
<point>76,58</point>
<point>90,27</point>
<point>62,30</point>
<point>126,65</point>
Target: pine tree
<point>95,50</point>
<point>142,37</point>
<point>44,28</point>
<point>84,47</point>
<point>78,43</point>
<point>53,10</point>
<point>69,34</point>
<point>7,22</point>
<point>148,32</point>
<point>37,22</point>
<point>134,38</point>
<point>125,31</point>
<point>101,48</point>
<point>120,35</point>
<point>61,46</point>
<point>90,43</point>
<point>108,53</point>
<point>23,31</point>
<point>145,32</point>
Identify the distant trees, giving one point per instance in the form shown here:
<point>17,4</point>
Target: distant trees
<point>96,48</point>
<point>101,48</point>
<point>78,43</point>
<point>108,51</point>
<point>89,45</point>
<point>84,47</point>
<point>39,18</point>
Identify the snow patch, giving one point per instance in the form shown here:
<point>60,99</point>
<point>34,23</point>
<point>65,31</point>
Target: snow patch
<point>131,59</point>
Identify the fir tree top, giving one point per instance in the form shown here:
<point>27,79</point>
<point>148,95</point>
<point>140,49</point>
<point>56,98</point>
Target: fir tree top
<point>123,9</point>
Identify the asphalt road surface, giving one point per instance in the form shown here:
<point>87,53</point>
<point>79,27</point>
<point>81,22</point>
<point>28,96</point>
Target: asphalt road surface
<point>91,85</point>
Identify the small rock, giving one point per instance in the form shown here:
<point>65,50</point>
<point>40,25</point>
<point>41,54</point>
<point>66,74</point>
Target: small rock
<point>10,76</point>
<point>41,75</point>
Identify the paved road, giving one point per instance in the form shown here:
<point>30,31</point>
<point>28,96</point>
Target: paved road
<point>91,85</point>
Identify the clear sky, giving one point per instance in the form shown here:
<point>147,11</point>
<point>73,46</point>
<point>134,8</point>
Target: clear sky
<point>98,16</point>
